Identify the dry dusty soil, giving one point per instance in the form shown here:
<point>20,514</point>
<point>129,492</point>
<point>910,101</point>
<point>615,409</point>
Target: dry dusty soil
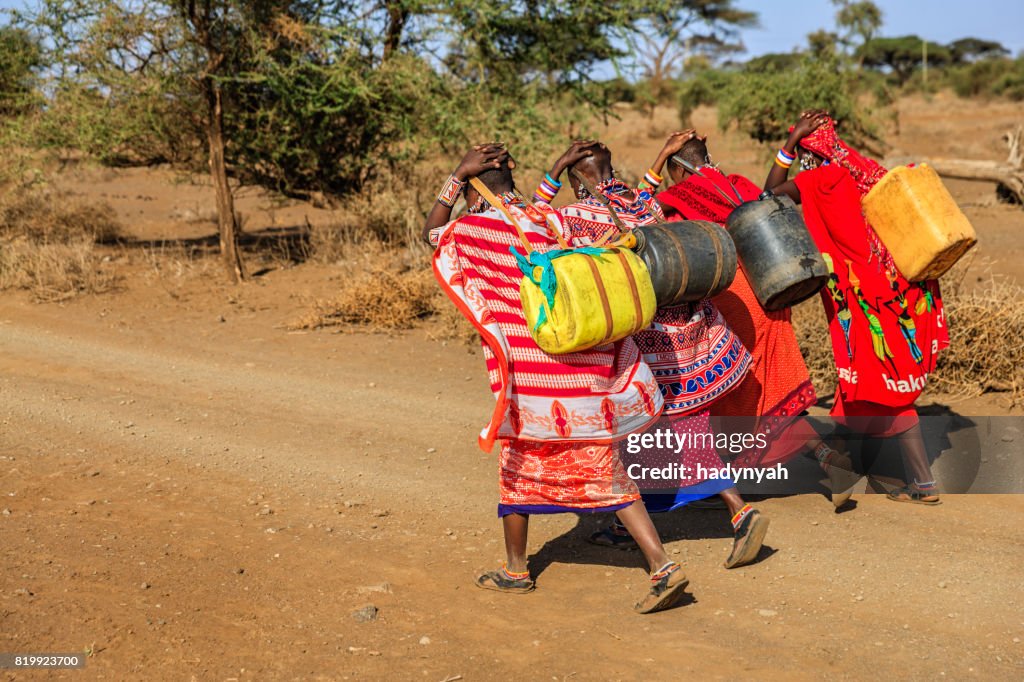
<point>190,491</point>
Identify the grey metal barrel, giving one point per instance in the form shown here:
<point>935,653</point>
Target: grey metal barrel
<point>777,252</point>
<point>688,260</point>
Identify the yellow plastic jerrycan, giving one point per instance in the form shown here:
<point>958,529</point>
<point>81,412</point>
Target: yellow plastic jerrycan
<point>918,221</point>
<point>577,299</point>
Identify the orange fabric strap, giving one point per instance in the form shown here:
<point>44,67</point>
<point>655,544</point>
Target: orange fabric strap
<point>605,304</point>
<point>638,306</point>
<point>489,197</point>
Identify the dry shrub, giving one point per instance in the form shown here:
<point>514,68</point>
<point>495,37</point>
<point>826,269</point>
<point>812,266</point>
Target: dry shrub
<point>43,215</point>
<point>985,326</point>
<point>174,268</point>
<point>53,272</point>
<point>985,354</point>
<point>380,299</point>
<point>47,243</point>
<point>400,294</point>
<point>452,325</point>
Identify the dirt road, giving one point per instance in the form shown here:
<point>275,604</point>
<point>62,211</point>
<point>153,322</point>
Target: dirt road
<point>191,498</point>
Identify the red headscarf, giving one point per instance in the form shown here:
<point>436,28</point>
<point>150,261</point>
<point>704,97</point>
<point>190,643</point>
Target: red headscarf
<point>825,143</point>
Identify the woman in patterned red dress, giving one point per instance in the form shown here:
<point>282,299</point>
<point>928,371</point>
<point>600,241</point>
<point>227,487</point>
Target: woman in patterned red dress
<point>886,332</point>
<point>695,355</point>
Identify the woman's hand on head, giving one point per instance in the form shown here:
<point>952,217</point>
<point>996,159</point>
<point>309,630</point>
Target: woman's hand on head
<point>674,143</point>
<point>577,151</point>
<point>809,121</point>
<point>480,158</point>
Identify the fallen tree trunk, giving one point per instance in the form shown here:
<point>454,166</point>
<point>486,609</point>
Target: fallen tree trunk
<point>1008,175</point>
<point>1012,179</point>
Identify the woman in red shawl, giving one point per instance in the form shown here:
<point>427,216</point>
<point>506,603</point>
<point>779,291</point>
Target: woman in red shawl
<point>886,332</point>
<point>778,388</point>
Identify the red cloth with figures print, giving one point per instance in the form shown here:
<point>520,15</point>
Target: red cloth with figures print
<point>886,332</point>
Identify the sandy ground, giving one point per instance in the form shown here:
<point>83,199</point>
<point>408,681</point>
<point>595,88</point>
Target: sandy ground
<point>190,491</point>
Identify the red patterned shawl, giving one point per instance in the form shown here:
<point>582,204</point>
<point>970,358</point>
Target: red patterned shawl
<point>701,198</point>
<point>694,354</point>
<point>599,395</point>
<point>825,143</point>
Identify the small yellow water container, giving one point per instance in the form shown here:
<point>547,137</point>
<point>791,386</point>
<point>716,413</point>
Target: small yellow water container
<point>599,299</point>
<point>919,222</point>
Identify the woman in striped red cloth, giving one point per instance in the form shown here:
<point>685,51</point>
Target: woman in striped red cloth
<point>558,418</point>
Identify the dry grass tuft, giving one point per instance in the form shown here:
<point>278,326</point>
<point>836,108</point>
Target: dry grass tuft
<point>380,299</point>
<point>43,215</point>
<point>47,243</point>
<point>54,272</point>
<point>390,289</point>
<point>985,353</point>
<point>451,325</point>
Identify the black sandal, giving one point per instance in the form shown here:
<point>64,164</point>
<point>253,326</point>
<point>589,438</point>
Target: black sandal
<point>503,581</point>
<point>747,539</point>
<point>668,587</point>
<point>912,495</point>
<point>614,538</point>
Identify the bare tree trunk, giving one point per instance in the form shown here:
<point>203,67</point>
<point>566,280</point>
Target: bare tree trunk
<point>398,15</point>
<point>1012,179</point>
<point>1008,175</point>
<point>227,221</point>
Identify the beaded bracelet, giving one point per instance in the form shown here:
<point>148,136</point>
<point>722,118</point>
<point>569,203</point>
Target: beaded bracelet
<point>784,159</point>
<point>652,178</point>
<point>547,189</point>
<point>451,191</point>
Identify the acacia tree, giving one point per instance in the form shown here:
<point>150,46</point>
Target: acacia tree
<point>858,19</point>
<point>822,44</point>
<point>666,33</point>
<point>969,50</point>
<point>313,97</point>
<point>176,55</point>
<point>901,56</point>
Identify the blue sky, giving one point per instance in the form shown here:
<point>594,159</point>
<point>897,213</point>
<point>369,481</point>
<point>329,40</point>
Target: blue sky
<point>785,23</point>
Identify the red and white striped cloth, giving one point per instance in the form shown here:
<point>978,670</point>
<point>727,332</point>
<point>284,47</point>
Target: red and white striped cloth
<point>599,395</point>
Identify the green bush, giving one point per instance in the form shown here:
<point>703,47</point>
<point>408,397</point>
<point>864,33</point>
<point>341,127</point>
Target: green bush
<point>1011,83</point>
<point>774,62</point>
<point>764,105</point>
<point>706,87</point>
<point>978,78</point>
<point>299,124</point>
<point>20,57</point>
<point>122,126</point>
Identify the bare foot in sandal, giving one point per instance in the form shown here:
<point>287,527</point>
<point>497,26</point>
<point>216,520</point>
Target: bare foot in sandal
<point>668,586</point>
<point>927,494</point>
<point>841,476</point>
<point>502,580</point>
<point>749,528</point>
